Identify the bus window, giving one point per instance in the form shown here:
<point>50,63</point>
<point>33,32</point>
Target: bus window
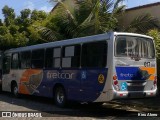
<point>25,59</point>
<point>94,54</point>
<point>37,58</point>
<point>15,61</point>
<point>6,64</point>
<point>1,60</point>
<point>129,46</point>
<point>49,58</point>
<point>71,56</point>
<point>56,57</point>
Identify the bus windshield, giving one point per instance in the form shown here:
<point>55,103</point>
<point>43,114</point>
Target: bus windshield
<point>131,46</point>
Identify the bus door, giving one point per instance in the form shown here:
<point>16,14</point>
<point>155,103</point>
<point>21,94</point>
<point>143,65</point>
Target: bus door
<point>6,77</point>
<point>94,71</point>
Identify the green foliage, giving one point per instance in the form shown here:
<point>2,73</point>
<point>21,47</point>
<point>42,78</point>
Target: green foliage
<point>156,36</point>
<point>19,31</point>
<point>3,30</point>
<point>13,29</point>
<point>38,15</point>
<point>25,13</point>
<point>96,16</point>
<point>88,18</point>
<point>9,15</point>
<point>142,23</point>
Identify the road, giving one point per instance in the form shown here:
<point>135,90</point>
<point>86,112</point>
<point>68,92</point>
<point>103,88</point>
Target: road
<point>47,108</point>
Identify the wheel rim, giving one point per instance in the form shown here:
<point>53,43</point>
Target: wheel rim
<point>15,90</point>
<point>60,96</point>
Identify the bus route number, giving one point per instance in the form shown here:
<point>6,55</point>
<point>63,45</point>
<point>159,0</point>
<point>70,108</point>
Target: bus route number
<point>147,64</point>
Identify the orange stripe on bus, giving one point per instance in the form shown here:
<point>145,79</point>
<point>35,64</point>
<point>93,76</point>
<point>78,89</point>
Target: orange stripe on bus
<point>150,70</point>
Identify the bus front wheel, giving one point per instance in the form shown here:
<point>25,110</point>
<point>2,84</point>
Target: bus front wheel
<point>60,97</point>
<point>15,90</point>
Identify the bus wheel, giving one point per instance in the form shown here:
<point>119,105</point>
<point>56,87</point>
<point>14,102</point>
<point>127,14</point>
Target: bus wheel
<point>60,97</point>
<point>15,90</point>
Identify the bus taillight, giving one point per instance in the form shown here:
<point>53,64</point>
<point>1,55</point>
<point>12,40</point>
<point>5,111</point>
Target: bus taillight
<point>155,80</point>
<point>115,82</point>
<point>114,77</point>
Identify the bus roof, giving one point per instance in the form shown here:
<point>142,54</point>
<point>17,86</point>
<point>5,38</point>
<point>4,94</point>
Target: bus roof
<point>132,34</point>
<point>93,38</point>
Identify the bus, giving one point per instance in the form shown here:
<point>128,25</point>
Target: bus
<point>93,69</point>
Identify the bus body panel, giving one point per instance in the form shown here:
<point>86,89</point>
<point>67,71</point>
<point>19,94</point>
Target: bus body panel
<point>88,84</point>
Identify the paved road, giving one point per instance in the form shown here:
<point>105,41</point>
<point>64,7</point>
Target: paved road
<point>74,111</point>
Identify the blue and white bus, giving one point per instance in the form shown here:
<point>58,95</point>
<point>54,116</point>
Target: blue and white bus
<point>97,68</point>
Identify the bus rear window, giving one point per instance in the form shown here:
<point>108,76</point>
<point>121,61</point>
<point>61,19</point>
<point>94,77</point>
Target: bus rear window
<point>128,46</point>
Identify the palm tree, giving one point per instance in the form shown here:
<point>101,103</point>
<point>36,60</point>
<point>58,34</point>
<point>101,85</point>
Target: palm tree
<point>142,24</point>
<point>93,17</point>
<point>88,18</point>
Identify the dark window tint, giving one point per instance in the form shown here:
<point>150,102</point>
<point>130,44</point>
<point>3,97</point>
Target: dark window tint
<point>94,54</point>
<point>25,59</point>
<point>49,58</point>
<point>6,64</point>
<point>38,58</point>
<point>71,56</point>
<point>15,61</point>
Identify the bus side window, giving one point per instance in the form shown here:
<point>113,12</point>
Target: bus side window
<point>49,58</point>
<point>15,61</point>
<point>37,58</point>
<point>57,57</point>
<point>71,56</point>
<point>6,64</point>
<point>94,54</point>
<point>25,59</point>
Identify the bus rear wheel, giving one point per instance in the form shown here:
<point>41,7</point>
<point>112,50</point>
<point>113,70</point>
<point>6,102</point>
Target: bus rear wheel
<point>15,90</point>
<point>60,97</point>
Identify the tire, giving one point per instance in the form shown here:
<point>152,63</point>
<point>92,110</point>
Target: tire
<point>15,90</point>
<point>60,97</point>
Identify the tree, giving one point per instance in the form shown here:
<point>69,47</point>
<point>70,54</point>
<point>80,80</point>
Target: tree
<point>9,15</point>
<point>141,24</point>
<point>156,37</point>
<point>38,15</point>
<point>20,31</point>
<point>88,18</point>
<point>94,17</point>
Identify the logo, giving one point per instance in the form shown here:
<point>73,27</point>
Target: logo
<point>6,114</point>
<point>101,78</point>
<point>58,75</point>
<point>83,75</point>
<point>123,86</point>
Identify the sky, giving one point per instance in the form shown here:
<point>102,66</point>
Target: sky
<point>134,3</point>
<point>19,5</point>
